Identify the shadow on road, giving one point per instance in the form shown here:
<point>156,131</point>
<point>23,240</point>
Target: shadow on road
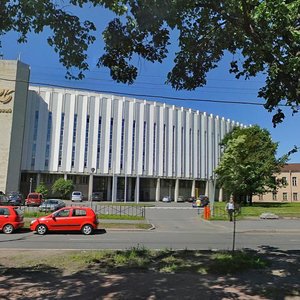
<point>43,281</point>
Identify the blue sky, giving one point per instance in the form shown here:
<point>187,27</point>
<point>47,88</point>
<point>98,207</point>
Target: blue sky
<point>45,68</point>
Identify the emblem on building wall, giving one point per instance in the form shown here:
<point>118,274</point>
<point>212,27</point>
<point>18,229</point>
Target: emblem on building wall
<point>6,95</point>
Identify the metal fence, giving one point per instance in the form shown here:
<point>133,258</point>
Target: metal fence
<point>120,210</point>
<point>103,209</point>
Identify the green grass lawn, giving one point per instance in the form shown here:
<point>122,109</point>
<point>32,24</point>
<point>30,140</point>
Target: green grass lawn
<point>283,209</point>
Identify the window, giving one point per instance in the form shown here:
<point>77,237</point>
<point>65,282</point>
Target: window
<point>294,181</point>
<point>74,141</point>
<point>79,213</point>
<point>164,149</point>
<point>99,141</point>
<point>86,147</point>
<point>154,147</point>
<point>33,155</point>
<point>122,144</point>
<point>284,181</point>
<point>144,145</point>
<point>62,127</point>
<point>274,196</point>
<point>133,143</point>
<point>110,142</point>
<point>63,213</point>
<point>35,130</point>
<point>173,151</point>
<point>182,150</point>
<point>191,149</point>
<point>295,197</point>
<point>49,130</point>
<point>284,196</point>
<point>4,212</point>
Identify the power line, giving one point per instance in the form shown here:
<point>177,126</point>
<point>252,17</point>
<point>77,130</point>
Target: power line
<point>141,95</point>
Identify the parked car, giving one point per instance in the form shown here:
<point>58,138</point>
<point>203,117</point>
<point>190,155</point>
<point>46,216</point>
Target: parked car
<point>166,199</point>
<point>52,205</point>
<point>97,196</point>
<point>180,199</point>
<point>3,199</point>
<point>77,196</point>
<point>74,218</point>
<point>34,199</point>
<point>191,199</point>
<point>15,198</point>
<point>11,218</point>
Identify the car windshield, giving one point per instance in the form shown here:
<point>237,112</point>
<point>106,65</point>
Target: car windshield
<point>76,193</point>
<point>33,196</point>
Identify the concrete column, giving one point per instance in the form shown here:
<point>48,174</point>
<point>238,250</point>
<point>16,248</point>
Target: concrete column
<point>207,188</point>
<point>65,176</point>
<point>176,192</point>
<point>109,188</point>
<point>91,181</point>
<point>137,190</point>
<point>114,189</point>
<point>38,179</point>
<point>157,191</point>
<point>193,188</point>
<point>13,101</point>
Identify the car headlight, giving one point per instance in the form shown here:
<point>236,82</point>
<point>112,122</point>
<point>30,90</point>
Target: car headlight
<point>32,222</point>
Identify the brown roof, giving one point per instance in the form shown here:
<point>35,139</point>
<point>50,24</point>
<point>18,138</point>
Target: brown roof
<point>291,167</point>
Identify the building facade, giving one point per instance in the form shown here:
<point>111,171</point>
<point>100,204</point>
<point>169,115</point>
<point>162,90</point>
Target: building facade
<point>124,148</point>
<point>290,174</point>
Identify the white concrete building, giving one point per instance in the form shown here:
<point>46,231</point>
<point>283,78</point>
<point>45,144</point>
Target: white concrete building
<point>127,149</point>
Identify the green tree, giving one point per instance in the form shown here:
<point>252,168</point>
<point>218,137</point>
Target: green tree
<point>249,163</point>
<point>263,36</point>
<point>62,187</point>
<point>41,188</point>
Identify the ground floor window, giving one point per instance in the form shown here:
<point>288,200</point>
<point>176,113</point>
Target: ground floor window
<point>284,196</point>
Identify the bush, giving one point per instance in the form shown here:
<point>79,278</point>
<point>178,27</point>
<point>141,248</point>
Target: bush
<point>62,187</point>
<point>42,189</point>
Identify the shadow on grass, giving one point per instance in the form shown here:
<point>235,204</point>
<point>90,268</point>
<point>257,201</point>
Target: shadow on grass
<point>96,280</point>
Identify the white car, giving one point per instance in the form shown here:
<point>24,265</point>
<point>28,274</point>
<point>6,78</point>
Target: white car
<point>166,199</point>
<point>77,196</point>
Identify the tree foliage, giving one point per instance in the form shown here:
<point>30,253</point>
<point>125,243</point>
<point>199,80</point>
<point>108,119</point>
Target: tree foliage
<point>249,164</point>
<point>62,187</point>
<point>41,188</point>
<point>262,36</point>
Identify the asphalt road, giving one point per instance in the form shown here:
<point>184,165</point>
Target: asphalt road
<point>176,227</point>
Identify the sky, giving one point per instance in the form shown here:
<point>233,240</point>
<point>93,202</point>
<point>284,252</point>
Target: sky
<point>150,84</point>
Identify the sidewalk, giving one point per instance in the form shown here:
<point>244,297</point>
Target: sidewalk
<point>263,225</point>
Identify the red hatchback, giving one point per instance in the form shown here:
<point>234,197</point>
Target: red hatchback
<point>34,199</point>
<point>11,218</point>
<point>72,218</point>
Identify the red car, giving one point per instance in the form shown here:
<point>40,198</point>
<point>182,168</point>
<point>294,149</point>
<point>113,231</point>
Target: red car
<point>72,218</point>
<point>34,199</point>
<point>11,218</point>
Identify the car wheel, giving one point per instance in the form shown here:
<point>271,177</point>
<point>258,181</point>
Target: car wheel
<point>8,228</point>
<point>41,229</point>
<point>87,229</point>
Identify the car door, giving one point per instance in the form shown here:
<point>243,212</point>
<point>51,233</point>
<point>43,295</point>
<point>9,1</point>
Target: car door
<point>79,217</point>
<point>61,220</point>
<point>4,216</point>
